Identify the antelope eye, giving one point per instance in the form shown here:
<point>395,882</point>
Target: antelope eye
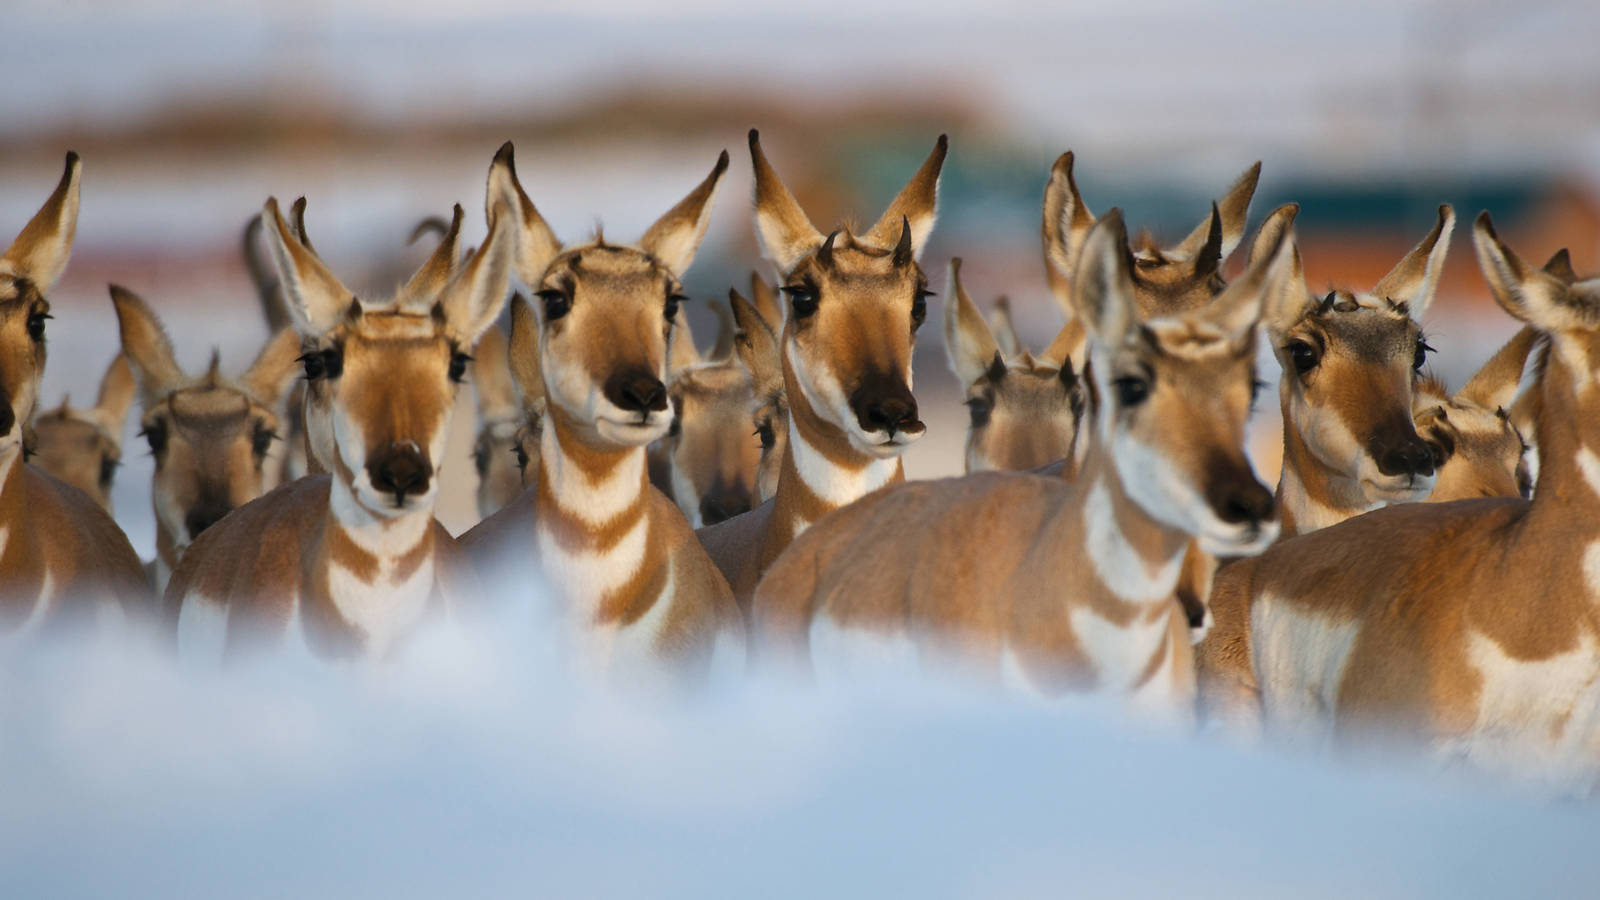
<point>556,304</point>
<point>802,299</point>
<point>919,307</point>
<point>108,470</point>
<point>1304,356</point>
<point>768,437</point>
<point>980,408</point>
<point>458,366</point>
<point>1131,391</point>
<point>522,458</point>
<point>261,440</point>
<point>156,435</point>
<point>480,459</point>
<point>36,325</point>
<point>322,364</point>
<point>1421,355</point>
<point>672,306</point>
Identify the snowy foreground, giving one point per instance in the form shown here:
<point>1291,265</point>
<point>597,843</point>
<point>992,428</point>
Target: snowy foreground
<point>475,769</point>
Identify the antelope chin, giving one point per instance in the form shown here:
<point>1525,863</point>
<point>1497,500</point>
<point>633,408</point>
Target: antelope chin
<point>1220,539</point>
<point>633,433</point>
<point>1399,489</point>
<point>880,446</point>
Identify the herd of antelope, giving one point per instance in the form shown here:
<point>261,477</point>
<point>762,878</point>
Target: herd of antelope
<point>749,505</point>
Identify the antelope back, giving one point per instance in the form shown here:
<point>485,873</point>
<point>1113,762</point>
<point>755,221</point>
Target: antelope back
<point>855,304</point>
<point>83,447</point>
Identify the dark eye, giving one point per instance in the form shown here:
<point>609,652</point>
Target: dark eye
<point>919,307</point>
<point>458,366</point>
<point>522,458</point>
<point>672,306</point>
<point>556,304</point>
<point>768,438</point>
<point>480,459</point>
<point>1421,355</point>
<point>108,470</point>
<point>802,299</point>
<point>1304,356</point>
<point>1131,391</point>
<point>980,408</point>
<point>36,325</point>
<point>322,364</point>
<point>156,434</point>
<point>261,441</point>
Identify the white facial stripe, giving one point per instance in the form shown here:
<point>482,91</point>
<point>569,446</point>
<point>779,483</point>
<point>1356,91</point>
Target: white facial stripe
<point>833,484</point>
<point>1117,565</point>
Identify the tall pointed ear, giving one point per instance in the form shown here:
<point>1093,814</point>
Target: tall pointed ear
<point>1288,298</point>
<point>1102,289</point>
<point>1495,385</point>
<point>916,204</point>
<point>317,301</point>
<point>757,346</point>
<point>681,352</point>
<point>676,236</point>
<point>491,377</point>
<point>1065,346</point>
<point>1560,265</point>
<point>1207,260</point>
<point>786,235</point>
<point>1415,278</point>
<point>476,294</point>
<point>269,377</point>
<point>1003,329</point>
<point>147,347</point>
<point>765,299</point>
<point>117,388</point>
<point>1239,308</point>
<point>1232,212</point>
<point>263,277</point>
<point>1064,228</point>
<point>1529,295</point>
<point>536,244</point>
<point>722,350</point>
<point>524,355</point>
<point>40,250</point>
<point>419,293</point>
<point>967,341</point>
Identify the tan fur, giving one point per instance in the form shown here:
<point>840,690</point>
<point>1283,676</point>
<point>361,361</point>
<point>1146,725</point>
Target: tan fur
<point>83,447</point>
<point>756,344</point>
<point>499,456</point>
<point>63,561</point>
<point>606,321</point>
<point>903,562</point>
<point>1449,609</point>
<point>1478,451</point>
<point>866,292</point>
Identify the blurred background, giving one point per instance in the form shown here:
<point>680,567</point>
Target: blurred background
<point>1367,113</point>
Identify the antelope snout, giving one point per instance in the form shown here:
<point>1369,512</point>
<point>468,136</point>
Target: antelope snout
<point>1241,500</point>
<point>204,516</point>
<point>885,404</point>
<point>636,391</point>
<point>723,502</point>
<point>401,470</point>
<point>1402,455</point>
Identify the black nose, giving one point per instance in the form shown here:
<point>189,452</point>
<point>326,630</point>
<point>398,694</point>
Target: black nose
<point>1407,455</point>
<point>400,470</point>
<point>1238,499</point>
<point>636,391</point>
<point>884,403</point>
<point>8,417</point>
<point>724,503</point>
<point>204,516</point>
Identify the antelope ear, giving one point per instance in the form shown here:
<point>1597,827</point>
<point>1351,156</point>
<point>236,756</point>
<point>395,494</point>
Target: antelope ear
<point>145,344</point>
<point>681,352</point>
<point>1238,309</point>
<point>524,355</point>
<point>424,287</point>
<point>1231,212</point>
<point>1207,260</point>
<point>491,377</point>
<point>263,277</point>
<point>765,299</point>
<point>1494,386</point>
<point>536,244</point>
<point>1003,329</point>
<point>317,301</point>
<point>40,250</point>
<point>1415,278</point>
<point>270,376</point>
<point>476,293</point>
<point>676,236</point>
<point>1560,265</point>
<point>757,346</point>
<point>1529,295</point>
<point>1288,298</point>
<point>1066,346</point>
<point>1064,228</point>
<point>117,388</point>
<point>917,205</point>
<point>1102,289</point>
<point>786,235</point>
<point>967,340</point>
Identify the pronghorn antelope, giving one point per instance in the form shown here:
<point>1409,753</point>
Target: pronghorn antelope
<point>350,563</point>
<point>1064,585</point>
<point>1349,365</point>
<point>757,345</point>
<point>1477,451</point>
<point>209,435</point>
<point>501,454</point>
<point>855,303</point>
<point>1025,409</point>
<point>1471,626</point>
<point>630,576</point>
<point>63,561</point>
<point>83,447</point>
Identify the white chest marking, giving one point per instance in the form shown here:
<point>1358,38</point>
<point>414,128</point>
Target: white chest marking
<point>1120,654</point>
<point>202,631</point>
<point>834,484</point>
<point>385,609</point>
<point>585,576</point>
<point>613,648</point>
<point>1116,563</point>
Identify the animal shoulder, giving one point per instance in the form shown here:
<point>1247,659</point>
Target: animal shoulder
<point>257,545</point>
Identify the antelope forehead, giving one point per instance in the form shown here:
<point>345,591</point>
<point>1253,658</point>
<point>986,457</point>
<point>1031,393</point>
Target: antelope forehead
<point>1196,339</point>
<point>392,326</point>
<point>207,405</point>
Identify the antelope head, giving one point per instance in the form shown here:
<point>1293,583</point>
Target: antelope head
<point>711,454</point>
<point>83,447</point>
<point>606,313</point>
<point>1173,393</point>
<point>499,454</point>
<point>209,434</point>
<point>757,347</point>
<point>1025,410</point>
<point>855,304</point>
<point>29,268</point>
<point>1350,362</point>
<point>382,377</point>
